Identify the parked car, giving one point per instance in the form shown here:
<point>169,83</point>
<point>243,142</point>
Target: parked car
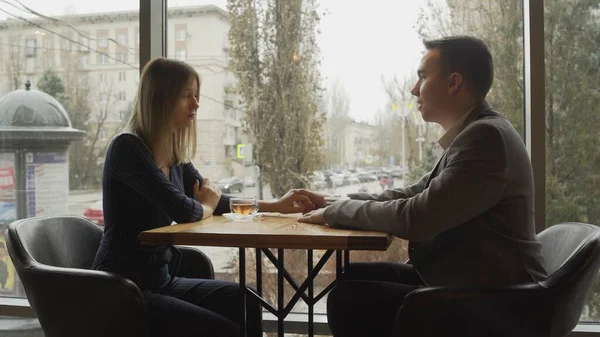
<point>365,177</point>
<point>249,181</point>
<point>318,185</point>
<point>95,213</point>
<point>337,180</point>
<point>352,179</point>
<point>231,184</point>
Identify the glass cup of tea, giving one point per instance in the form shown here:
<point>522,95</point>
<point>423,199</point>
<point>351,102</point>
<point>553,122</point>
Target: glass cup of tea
<point>243,208</point>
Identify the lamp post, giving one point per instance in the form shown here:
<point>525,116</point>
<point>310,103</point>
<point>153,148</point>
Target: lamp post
<point>420,139</point>
<point>403,114</point>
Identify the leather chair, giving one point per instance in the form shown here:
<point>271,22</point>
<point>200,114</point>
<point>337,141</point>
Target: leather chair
<point>53,257</point>
<point>550,307</point>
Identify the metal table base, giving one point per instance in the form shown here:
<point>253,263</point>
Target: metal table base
<point>304,291</point>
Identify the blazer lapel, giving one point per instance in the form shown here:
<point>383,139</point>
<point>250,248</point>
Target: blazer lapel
<point>435,168</point>
<point>483,109</point>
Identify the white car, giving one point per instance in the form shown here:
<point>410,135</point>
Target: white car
<point>249,181</point>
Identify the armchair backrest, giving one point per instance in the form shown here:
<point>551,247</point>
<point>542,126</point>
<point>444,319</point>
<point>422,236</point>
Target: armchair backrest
<point>53,256</point>
<point>572,258</point>
<point>67,242</point>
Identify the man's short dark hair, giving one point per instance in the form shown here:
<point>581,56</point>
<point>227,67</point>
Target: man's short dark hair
<point>468,56</point>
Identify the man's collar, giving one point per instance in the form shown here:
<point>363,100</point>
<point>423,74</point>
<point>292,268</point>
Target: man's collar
<point>444,142</point>
<point>449,136</point>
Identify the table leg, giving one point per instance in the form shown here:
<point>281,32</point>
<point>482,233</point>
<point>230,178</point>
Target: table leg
<point>258,272</point>
<point>299,290</point>
<point>242,276</point>
<point>280,293</point>
<point>311,332</point>
<point>346,258</point>
<point>338,264</point>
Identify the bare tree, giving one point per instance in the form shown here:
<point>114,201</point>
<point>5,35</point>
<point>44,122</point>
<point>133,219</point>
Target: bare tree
<point>14,64</point>
<point>104,101</point>
<point>337,105</point>
<point>275,56</point>
<point>89,104</point>
<point>403,130</point>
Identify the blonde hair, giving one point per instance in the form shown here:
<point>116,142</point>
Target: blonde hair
<point>161,83</point>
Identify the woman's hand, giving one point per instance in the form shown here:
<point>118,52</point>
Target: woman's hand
<point>207,196</point>
<point>291,202</point>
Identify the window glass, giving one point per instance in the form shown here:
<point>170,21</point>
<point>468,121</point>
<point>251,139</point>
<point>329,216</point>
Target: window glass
<point>571,31</point>
<point>62,59</point>
<point>353,94</point>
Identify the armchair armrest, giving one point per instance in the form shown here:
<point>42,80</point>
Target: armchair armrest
<point>115,303</point>
<point>195,264</point>
<point>518,310</point>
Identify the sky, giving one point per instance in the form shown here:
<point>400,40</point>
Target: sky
<point>360,41</point>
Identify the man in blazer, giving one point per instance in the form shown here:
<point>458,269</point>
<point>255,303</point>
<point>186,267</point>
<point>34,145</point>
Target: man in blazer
<point>470,221</point>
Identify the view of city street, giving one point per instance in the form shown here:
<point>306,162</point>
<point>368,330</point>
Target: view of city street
<point>79,200</point>
<point>221,257</point>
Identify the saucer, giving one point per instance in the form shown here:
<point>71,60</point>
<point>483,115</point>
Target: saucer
<point>237,217</point>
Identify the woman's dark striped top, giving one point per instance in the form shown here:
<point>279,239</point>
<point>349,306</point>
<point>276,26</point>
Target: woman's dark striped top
<point>137,196</point>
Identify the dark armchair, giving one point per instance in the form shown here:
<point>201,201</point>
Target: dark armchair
<point>53,257</point>
<point>550,307</point>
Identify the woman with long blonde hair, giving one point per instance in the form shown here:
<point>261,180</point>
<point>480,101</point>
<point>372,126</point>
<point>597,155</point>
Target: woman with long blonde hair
<point>149,182</point>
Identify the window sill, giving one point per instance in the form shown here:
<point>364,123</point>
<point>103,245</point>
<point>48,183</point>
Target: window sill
<point>17,307</point>
<point>294,323</point>
<point>585,329</point>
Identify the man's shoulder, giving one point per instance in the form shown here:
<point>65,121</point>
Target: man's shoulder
<point>491,122</point>
<point>491,133</point>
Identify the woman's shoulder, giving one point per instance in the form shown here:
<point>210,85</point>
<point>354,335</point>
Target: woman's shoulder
<point>127,138</point>
<point>127,143</point>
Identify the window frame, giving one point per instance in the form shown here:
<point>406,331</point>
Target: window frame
<point>152,39</point>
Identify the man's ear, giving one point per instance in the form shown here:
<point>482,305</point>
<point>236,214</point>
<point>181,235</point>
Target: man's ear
<point>456,81</point>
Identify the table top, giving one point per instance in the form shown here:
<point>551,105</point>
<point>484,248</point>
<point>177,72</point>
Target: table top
<point>266,231</point>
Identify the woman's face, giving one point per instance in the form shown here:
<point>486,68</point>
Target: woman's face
<point>184,112</point>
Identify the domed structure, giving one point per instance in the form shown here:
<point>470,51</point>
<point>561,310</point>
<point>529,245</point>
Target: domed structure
<point>33,116</point>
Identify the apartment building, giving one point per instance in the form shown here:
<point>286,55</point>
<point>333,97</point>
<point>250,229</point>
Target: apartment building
<point>360,147</point>
<point>100,52</point>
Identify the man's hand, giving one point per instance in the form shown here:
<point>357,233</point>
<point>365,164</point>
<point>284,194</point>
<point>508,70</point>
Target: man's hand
<point>207,196</point>
<point>317,198</point>
<point>315,217</point>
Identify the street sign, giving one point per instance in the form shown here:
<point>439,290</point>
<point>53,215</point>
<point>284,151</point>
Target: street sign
<point>241,151</point>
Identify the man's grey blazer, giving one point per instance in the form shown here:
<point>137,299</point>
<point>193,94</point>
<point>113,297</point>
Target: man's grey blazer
<point>470,221</point>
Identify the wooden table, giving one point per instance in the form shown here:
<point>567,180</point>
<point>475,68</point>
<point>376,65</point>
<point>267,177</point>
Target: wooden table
<point>279,232</point>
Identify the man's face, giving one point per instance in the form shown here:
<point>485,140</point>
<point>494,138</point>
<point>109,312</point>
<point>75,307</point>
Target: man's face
<point>432,88</point>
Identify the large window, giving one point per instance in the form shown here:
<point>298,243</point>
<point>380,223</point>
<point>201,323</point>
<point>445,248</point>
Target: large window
<point>349,75</point>
<point>336,75</point>
<point>572,59</point>
<point>60,56</point>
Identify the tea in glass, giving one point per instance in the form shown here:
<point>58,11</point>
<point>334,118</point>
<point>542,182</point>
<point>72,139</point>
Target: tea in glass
<point>243,206</point>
